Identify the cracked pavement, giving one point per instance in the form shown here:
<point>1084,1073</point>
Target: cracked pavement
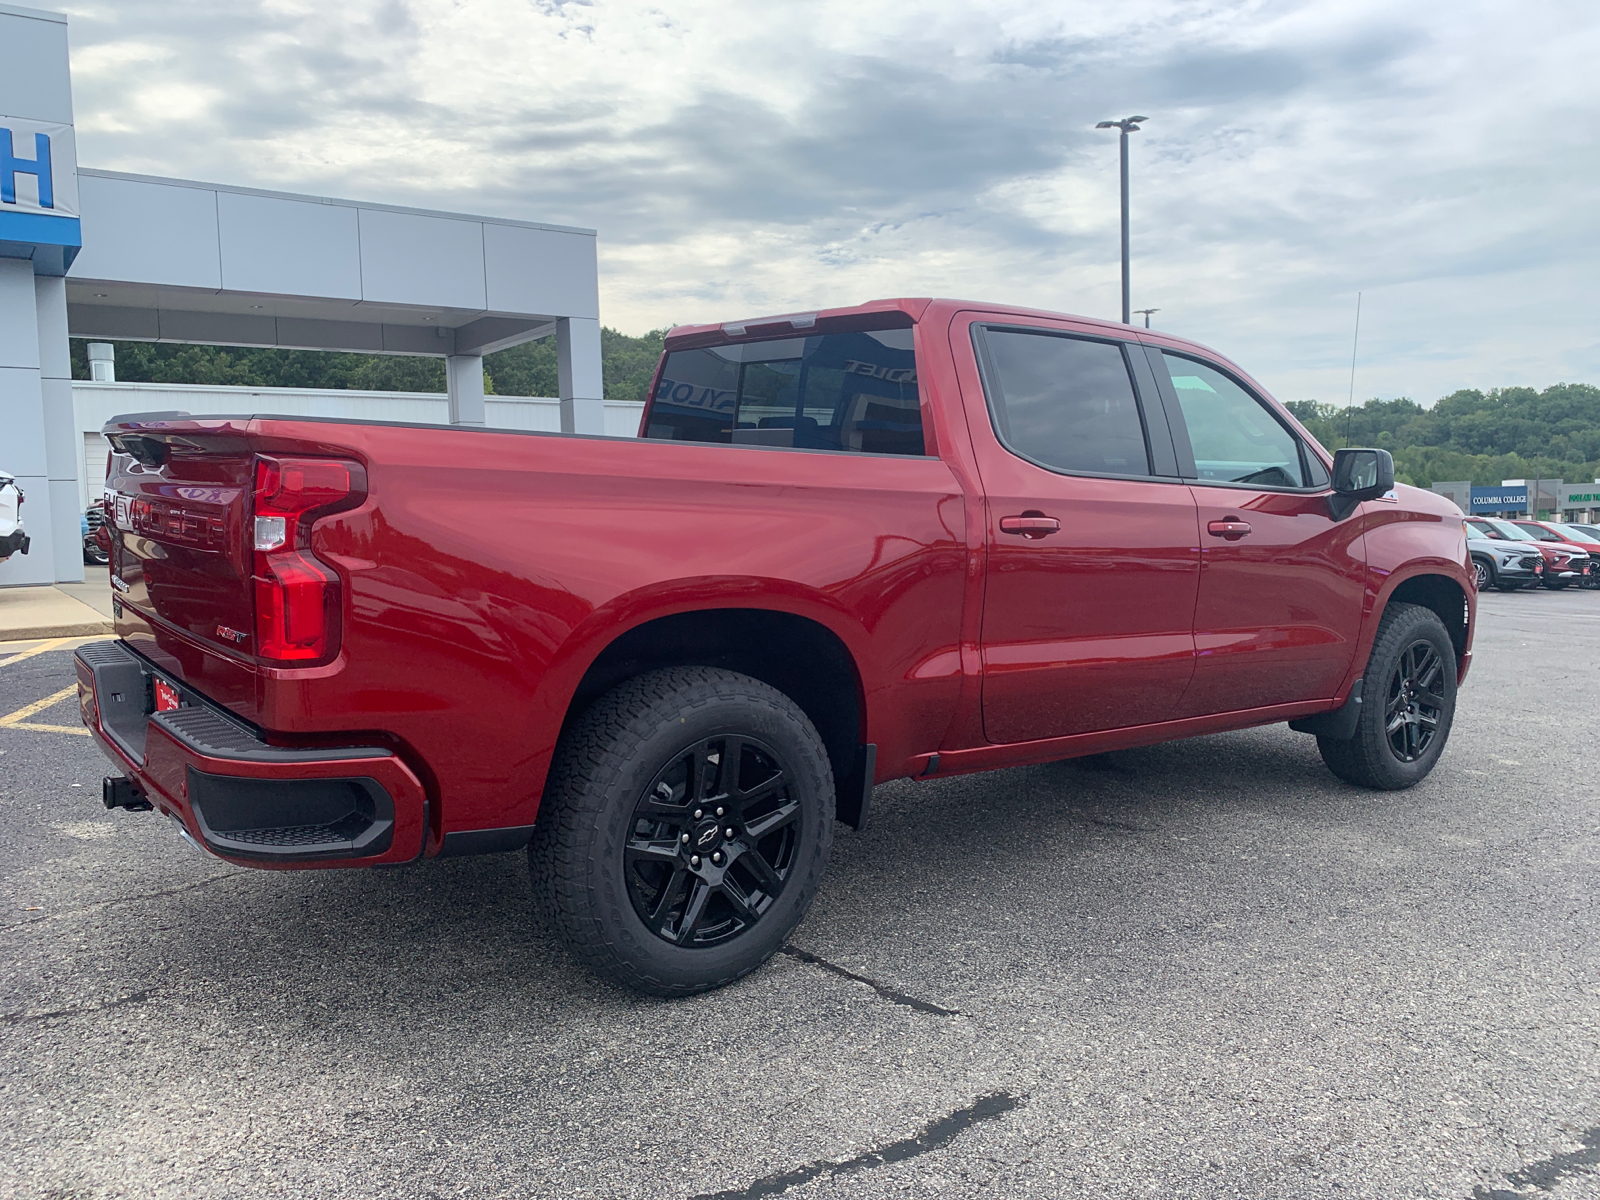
<point>1203,969</point>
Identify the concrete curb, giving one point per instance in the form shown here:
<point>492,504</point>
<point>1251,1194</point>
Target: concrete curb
<point>40,633</point>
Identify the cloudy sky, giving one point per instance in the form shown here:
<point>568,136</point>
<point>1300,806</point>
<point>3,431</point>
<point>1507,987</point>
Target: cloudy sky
<point>742,157</point>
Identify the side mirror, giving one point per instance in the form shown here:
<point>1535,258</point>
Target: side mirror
<point>1363,474</point>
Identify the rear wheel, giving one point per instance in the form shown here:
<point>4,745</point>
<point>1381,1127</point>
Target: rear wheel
<point>685,829</point>
<point>1410,702</point>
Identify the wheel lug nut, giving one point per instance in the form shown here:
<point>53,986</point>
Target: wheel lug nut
<point>728,831</point>
<point>720,811</point>
<point>698,813</point>
<point>684,839</point>
<point>717,857</point>
<point>694,860</point>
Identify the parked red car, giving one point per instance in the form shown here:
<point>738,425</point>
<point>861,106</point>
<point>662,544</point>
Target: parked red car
<point>912,538</point>
<point>1572,561</point>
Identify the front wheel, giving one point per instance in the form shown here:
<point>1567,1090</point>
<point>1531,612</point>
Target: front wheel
<point>1482,574</point>
<point>684,830</point>
<point>1409,704</point>
<point>1556,585</point>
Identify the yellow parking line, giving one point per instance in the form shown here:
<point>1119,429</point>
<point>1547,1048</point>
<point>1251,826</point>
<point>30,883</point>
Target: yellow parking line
<point>43,647</point>
<point>78,729</point>
<point>11,720</point>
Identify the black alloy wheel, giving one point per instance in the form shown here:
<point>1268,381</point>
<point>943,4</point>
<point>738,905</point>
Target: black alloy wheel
<point>1411,714</point>
<point>1409,703</point>
<point>684,829</point>
<point>1482,575</point>
<point>713,842</point>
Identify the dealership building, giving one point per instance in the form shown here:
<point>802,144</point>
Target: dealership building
<point>1545,499</point>
<point>115,257</point>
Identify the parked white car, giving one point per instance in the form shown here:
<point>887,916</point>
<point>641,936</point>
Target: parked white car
<point>12,538</point>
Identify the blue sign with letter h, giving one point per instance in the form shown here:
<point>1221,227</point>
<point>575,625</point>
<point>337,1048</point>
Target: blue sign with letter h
<point>38,166</point>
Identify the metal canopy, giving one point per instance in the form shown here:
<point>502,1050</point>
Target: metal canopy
<point>179,261</point>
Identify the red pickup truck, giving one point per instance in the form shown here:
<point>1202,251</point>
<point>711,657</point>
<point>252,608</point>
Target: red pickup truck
<point>911,538</point>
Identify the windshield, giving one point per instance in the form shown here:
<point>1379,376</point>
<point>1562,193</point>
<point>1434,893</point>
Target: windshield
<point>1537,533</point>
<point>1573,534</point>
<point>1508,531</point>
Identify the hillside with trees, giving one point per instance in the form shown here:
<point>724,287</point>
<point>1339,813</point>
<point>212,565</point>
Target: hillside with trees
<point>526,370</point>
<point>1505,433</point>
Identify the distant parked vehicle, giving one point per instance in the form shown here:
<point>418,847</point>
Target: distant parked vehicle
<point>1582,536</point>
<point>12,538</point>
<point>1583,563</point>
<point>1501,563</point>
<point>94,553</point>
<point>1558,557</point>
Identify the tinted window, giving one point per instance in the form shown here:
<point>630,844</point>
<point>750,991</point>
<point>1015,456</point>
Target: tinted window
<point>1234,437</point>
<point>1065,402</point>
<point>836,391</point>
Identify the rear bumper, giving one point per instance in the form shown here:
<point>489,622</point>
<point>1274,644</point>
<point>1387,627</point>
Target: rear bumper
<point>237,796</point>
<point>15,542</point>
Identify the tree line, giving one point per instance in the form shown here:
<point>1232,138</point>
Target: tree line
<point>1504,433</point>
<point>627,364</point>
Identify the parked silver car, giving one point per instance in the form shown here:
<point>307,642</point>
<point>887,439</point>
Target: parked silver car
<point>13,539</point>
<point>1498,560</point>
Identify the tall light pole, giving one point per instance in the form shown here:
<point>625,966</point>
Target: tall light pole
<point>1127,125</point>
<point>1145,313</point>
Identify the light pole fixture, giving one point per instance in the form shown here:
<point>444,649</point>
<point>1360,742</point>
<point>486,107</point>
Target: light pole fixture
<point>1145,313</point>
<point>1127,125</point>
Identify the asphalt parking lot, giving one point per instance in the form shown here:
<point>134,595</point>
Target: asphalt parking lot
<point>1207,969</point>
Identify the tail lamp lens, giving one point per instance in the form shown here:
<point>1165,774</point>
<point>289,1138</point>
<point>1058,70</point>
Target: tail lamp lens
<point>297,596</point>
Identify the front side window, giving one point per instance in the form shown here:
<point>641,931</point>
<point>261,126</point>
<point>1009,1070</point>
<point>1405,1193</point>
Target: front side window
<point>1064,402</point>
<point>1234,437</point>
<point>834,391</point>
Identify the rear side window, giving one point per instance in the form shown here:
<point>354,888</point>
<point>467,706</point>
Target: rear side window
<point>1064,402</point>
<point>853,392</point>
<point>1235,438</point>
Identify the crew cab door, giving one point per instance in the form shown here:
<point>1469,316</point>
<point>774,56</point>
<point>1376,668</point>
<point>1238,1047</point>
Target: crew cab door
<point>1282,582</point>
<point>1092,546</point>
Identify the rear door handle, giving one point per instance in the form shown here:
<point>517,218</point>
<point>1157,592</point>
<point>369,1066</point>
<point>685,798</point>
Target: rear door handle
<point>1030,525</point>
<point>1232,530</point>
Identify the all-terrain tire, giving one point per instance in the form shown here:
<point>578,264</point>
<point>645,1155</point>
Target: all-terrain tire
<point>605,763</point>
<point>1369,759</point>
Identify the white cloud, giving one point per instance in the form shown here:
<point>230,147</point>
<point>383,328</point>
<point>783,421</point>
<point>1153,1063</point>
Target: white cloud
<point>742,158</point>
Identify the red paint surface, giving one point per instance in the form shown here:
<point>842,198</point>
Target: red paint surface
<point>486,570</point>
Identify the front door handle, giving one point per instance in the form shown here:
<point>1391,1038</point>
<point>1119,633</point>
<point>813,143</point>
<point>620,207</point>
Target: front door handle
<point>1030,525</point>
<point>1232,530</point>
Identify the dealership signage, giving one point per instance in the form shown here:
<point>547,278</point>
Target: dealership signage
<point>1498,499</point>
<point>37,174</point>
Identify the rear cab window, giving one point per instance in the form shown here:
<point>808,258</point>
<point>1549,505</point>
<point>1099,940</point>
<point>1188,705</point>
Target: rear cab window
<point>850,392</point>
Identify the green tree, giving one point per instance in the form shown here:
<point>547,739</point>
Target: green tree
<point>627,364</point>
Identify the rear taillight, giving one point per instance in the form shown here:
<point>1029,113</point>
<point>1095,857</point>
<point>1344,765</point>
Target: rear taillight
<point>297,596</point>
